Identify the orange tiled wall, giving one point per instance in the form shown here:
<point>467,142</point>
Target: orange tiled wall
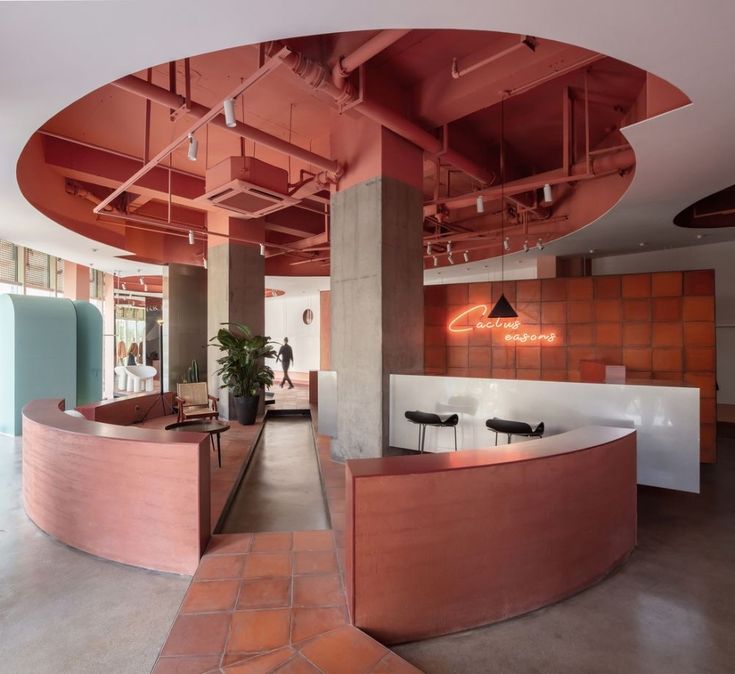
<point>661,326</point>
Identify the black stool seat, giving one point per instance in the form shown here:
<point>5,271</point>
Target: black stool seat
<point>511,428</point>
<point>424,419</point>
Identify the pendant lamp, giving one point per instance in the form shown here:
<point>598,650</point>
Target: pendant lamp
<point>502,308</point>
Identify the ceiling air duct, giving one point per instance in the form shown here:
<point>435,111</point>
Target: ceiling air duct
<point>247,186</point>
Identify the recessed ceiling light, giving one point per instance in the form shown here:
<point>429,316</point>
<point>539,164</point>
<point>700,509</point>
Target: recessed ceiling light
<point>592,250</point>
<point>642,243</point>
<point>700,236</point>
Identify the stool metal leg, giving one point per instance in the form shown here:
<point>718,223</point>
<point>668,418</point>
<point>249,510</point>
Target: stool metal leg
<point>455,438</point>
<point>423,438</point>
<point>418,446</point>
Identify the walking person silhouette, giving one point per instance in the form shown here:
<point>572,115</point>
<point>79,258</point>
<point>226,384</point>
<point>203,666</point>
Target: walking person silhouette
<point>285,355</point>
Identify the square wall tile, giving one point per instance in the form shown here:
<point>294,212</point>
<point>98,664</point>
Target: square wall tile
<point>479,357</point>
<point>457,293</point>
<point>699,308</point>
<point>608,334</point>
<point>457,356</point>
<point>637,334</point>
<point>699,282</point>
<point>667,309</point>
<point>608,310</point>
<point>580,288</point>
<point>637,310</point>
<point>553,359</point>
<point>553,312</point>
<point>669,360</point>
<point>528,291</point>
<point>666,284</point>
<point>529,357</point>
<point>700,359</point>
<point>667,334</point>
<point>479,293</point>
<point>580,312</point>
<point>637,359</point>
<point>581,334</point>
<point>606,287</point>
<point>699,334</point>
<point>636,285</point>
<point>553,290</point>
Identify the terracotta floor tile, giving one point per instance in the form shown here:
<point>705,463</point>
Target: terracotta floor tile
<point>313,540</point>
<point>272,542</point>
<point>210,595</point>
<point>183,665</point>
<point>265,593</point>
<point>253,631</point>
<point>264,565</point>
<point>392,664</point>
<point>262,664</point>
<point>199,634</point>
<point>309,622</point>
<point>222,544</point>
<point>298,665</point>
<point>220,567</point>
<point>314,562</point>
<point>318,591</point>
<point>344,651</point>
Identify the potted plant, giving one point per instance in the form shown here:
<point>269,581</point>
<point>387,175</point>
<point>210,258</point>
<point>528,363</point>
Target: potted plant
<point>242,368</point>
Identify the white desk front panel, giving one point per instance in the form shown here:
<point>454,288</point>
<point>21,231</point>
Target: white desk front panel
<point>666,418</point>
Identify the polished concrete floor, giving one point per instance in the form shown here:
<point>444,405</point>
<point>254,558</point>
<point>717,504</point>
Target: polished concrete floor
<point>669,610</point>
<point>64,611</point>
<point>281,490</point>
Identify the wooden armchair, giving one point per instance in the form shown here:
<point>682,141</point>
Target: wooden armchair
<point>195,402</point>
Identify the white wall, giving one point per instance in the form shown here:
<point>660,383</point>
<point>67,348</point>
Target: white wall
<point>717,256</point>
<point>283,318</point>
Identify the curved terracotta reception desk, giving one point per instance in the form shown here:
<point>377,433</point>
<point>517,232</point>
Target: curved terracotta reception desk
<point>444,542</point>
<point>132,495</point>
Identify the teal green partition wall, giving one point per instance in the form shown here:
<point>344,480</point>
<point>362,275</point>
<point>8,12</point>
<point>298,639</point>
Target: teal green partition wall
<point>89,353</point>
<point>38,354</point>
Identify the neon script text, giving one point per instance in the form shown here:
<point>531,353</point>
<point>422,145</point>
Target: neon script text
<point>479,312</point>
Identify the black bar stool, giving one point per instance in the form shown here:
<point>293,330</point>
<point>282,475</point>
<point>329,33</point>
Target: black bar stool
<point>424,419</point>
<point>511,428</point>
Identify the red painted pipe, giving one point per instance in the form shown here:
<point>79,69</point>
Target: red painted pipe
<point>318,77</point>
<point>376,44</point>
<point>135,85</point>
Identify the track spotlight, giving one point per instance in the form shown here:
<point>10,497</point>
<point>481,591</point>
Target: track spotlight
<point>229,108</point>
<point>262,250</point>
<point>141,281</point>
<point>204,261</point>
<point>450,258</point>
<point>191,237</point>
<point>480,204</point>
<point>124,286</point>
<point>436,262</point>
<point>449,247</point>
<point>193,148</point>
<point>145,288</point>
<point>428,248</point>
<point>525,246</point>
<point>548,196</point>
<point>467,256</point>
<point>506,243</point>
<point>539,245</point>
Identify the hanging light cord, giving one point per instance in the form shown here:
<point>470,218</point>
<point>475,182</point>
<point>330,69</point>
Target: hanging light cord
<point>502,190</point>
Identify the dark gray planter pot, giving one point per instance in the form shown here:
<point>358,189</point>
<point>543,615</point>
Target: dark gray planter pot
<point>246,408</point>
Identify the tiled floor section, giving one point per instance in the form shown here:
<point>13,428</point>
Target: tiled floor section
<point>271,602</point>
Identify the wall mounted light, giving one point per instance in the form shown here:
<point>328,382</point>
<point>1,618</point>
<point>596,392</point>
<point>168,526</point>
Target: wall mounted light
<point>548,194</point>
<point>229,109</point>
<point>480,204</point>
<point>193,148</point>
<point>191,237</point>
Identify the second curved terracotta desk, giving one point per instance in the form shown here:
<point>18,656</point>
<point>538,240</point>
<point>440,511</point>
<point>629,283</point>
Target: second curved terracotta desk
<point>441,543</point>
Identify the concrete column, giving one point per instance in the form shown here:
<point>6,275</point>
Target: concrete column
<point>377,306</point>
<point>235,292</point>
<point>108,331</point>
<point>185,312</point>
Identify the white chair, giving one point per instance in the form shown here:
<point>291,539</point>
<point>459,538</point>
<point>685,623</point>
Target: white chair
<point>122,378</point>
<point>140,378</point>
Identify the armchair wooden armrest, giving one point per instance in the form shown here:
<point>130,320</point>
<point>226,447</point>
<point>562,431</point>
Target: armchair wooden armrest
<point>214,400</point>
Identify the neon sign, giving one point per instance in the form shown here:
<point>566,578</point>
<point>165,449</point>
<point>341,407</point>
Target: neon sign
<point>483,323</point>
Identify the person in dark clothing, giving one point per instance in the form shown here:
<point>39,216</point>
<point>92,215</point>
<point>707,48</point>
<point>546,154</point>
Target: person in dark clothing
<point>285,355</point>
